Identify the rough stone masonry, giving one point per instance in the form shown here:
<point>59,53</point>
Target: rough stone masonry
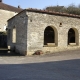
<point>33,30</point>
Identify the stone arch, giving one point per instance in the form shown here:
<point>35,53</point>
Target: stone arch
<point>14,35</point>
<point>50,36</point>
<point>73,36</point>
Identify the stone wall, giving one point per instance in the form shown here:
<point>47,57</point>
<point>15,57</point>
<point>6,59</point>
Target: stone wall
<point>19,22</point>
<point>30,27</point>
<point>37,22</point>
<point>4,16</point>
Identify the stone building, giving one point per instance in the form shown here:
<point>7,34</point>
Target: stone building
<point>6,12</point>
<point>33,30</point>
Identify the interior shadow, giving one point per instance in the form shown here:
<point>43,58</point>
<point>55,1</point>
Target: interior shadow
<point>9,53</point>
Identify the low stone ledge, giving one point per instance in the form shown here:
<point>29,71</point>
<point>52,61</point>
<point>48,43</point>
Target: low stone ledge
<point>50,45</point>
<point>72,44</point>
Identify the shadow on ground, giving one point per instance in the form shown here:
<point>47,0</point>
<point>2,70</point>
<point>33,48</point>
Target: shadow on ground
<point>8,53</point>
<point>60,70</point>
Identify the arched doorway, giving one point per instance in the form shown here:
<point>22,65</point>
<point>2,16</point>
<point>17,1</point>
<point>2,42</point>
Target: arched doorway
<point>49,35</point>
<point>71,36</point>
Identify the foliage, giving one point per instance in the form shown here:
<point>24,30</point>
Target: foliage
<point>3,33</point>
<point>71,9</point>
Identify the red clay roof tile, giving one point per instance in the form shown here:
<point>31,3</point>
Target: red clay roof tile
<point>53,13</point>
<point>9,8</point>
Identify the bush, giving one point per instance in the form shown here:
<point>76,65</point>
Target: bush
<point>71,9</point>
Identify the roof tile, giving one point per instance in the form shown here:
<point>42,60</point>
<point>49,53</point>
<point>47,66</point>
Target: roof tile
<point>9,8</point>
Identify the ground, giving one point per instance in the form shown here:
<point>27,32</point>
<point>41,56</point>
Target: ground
<point>57,66</point>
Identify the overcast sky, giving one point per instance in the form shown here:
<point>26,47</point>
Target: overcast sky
<point>40,4</point>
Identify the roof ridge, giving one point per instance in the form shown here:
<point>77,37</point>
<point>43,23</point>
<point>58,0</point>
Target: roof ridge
<point>9,7</point>
<point>52,12</point>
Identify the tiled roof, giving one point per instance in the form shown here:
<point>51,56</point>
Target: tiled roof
<point>52,12</point>
<point>9,8</point>
<point>48,12</point>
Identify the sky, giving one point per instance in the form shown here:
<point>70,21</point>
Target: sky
<point>40,4</point>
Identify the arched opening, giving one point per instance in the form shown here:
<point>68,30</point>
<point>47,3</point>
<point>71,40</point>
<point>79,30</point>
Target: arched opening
<point>49,36</point>
<point>71,36</point>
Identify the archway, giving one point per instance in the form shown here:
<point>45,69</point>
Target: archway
<point>49,35</point>
<point>73,36</point>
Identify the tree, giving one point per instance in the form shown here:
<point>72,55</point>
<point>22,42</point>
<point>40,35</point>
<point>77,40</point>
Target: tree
<point>71,9</point>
